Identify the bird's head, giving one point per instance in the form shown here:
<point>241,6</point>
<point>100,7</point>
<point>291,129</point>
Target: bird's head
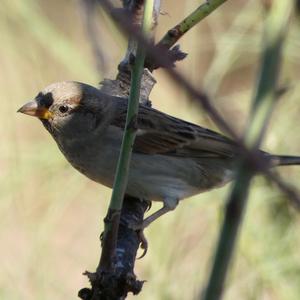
<point>68,109</point>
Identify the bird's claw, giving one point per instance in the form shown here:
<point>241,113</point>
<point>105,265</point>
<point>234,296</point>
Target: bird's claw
<point>143,243</point>
<point>139,229</point>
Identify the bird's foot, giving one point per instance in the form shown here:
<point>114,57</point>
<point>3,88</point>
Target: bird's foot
<point>139,229</point>
<point>143,243</point>
<point>169,204</point>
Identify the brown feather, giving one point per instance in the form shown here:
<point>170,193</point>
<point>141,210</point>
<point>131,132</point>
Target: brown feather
<point>159,133</point>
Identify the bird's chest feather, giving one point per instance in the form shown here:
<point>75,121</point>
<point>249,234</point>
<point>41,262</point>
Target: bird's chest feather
<point>95,156</point>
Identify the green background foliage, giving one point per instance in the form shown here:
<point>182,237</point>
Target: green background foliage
<point>51,216</point>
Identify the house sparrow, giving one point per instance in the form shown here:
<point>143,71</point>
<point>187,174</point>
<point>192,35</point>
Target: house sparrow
<point>171,160</point>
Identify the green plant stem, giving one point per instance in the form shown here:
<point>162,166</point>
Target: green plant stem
<point>174,34</point>
<point>121,177</point>
<point>275,29</point>
<point>132,111</point>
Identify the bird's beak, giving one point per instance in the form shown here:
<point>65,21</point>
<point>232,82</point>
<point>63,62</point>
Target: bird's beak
<point>32,108</point>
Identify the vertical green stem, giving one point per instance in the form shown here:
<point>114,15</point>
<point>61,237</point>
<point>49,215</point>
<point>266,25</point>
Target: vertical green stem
<point>132,111</point>
<point>121,178</point>
<point>275,29</point>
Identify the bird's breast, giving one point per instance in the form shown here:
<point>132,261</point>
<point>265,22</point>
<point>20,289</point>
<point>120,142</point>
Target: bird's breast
<point>95,156</point>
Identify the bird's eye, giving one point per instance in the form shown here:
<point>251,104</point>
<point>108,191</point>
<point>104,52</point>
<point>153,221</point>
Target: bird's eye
<point>63,108</point>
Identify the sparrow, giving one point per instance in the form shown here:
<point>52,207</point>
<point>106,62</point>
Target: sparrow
<point>171,159</point>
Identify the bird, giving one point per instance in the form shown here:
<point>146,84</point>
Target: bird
<point>171,159</point>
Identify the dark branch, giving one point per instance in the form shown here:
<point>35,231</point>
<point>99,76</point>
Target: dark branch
<point>117,284</point>
<point>114,276</point>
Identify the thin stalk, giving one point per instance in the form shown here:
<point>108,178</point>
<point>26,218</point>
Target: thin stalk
<point>132,111</point>
<point>121,177</point>
<point>174,34</point>
<point>275,29</point>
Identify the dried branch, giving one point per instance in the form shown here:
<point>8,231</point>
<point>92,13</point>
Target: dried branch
<point>116,285</point>
<point>114,277</point>
<point>120,183</point>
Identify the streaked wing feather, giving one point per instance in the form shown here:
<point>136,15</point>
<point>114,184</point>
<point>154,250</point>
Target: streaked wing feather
<point>159,133</point>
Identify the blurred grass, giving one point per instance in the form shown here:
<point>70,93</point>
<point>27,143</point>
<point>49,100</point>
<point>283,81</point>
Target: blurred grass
<point>51,216</point>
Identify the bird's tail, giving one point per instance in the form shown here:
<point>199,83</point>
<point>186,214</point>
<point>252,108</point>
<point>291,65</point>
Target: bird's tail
<point>284,160</point>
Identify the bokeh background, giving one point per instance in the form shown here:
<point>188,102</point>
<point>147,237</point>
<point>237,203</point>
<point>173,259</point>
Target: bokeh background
<point>51,216</point>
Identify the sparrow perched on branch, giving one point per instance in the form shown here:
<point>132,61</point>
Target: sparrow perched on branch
<point>171,160</point>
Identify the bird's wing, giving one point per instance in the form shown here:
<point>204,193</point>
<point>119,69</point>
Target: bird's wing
<point>159,133</point>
